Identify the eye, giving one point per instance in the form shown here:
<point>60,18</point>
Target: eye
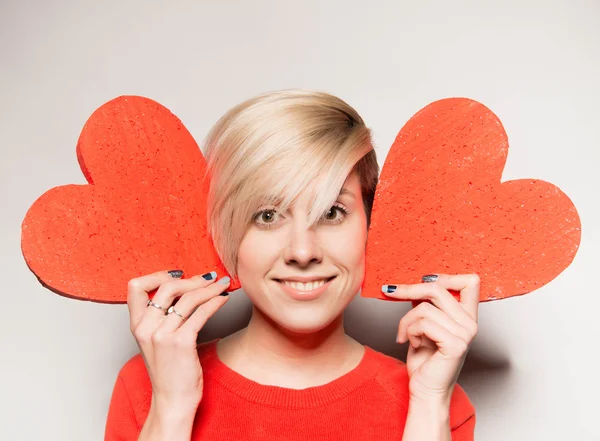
<point>267,218</point>
<point>264,218</point>
<point>336,214</point>
<point>266,215</point>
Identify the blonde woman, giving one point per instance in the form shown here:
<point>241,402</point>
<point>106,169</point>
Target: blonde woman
<point>293,176</point>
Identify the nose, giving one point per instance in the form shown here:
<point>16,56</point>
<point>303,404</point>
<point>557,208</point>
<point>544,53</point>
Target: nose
<point>302,248</point>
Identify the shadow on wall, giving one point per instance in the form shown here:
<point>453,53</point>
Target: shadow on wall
<point>485,376</point>
<point>486,372</point>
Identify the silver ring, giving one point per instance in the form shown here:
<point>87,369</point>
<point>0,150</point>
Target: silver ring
<point>156,305</point>
<point>172,310</point>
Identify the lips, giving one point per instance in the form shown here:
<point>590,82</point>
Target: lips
<point>305,286</point>
<point>303,293</point>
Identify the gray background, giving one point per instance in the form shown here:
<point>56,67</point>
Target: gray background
<point>532,371</point>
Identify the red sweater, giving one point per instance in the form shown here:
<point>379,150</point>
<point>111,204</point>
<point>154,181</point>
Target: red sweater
<point>368,403</point>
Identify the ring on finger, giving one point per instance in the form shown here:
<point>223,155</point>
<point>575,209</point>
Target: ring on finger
<point>156,305</point>
<point>172,310</point>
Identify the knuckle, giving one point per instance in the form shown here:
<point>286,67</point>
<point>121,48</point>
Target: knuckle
<point>168,287</point>
<point>425,308</point>
<point>474,279</point>
<point>435,291</point>
<point>402,323</point>
<point>159,338</point>
<point>134,284</point>
<point>466,335</point>
<point>140,335</point>
<point>425,325</point>
<point>462,346</point>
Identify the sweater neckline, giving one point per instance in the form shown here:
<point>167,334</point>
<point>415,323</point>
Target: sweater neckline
<point>282,397</point>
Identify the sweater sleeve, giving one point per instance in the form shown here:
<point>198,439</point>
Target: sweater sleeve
<point>466,431</point>
<point>462,416</point>
<point>121,424</point>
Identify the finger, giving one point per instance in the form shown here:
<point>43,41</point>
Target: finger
<point>468,286</point>
<point>200,316</point>
<point>448,344</point>
<point>427,310</point>
<point>170,290</point>
<point>138,289</point>
<point>435,293</point>
<point>192,301</point>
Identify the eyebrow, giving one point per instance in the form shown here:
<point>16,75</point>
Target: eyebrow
<point>343,191</point>
<point>348,192</point>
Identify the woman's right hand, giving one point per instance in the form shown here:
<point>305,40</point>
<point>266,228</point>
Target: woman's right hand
<point>167,341</point>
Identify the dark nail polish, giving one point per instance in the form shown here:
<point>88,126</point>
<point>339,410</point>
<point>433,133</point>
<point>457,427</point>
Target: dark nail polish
<point>209,276</point>
<point>429,278</point>
<point>176,274</point>
<point>224,294</point>
<point>388,288</point>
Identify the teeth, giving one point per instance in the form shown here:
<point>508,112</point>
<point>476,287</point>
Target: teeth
<point>304,286</point>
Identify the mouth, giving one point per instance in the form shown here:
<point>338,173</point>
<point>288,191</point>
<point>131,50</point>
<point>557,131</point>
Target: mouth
<point>305,291</point>
<point>305,286</point>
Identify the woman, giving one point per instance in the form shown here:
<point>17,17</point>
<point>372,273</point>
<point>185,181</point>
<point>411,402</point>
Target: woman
<point>292,181</point>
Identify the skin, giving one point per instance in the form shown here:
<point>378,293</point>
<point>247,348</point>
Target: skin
<point>293,343</point>
<point>300,344</point>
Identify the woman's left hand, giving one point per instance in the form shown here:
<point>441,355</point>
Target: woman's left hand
<point>439,333</point>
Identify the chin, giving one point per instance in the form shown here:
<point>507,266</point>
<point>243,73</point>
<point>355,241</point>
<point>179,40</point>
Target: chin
<point>303,322</point>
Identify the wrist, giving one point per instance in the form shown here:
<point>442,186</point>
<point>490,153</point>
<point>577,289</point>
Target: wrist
<point>166,411</point>
<point>168,423</point>
<point>437,407</point>
<point>424,397</point>
<point>428,418</point>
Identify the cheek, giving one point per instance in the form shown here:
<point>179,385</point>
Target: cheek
<point>347,248</point>
<point>256,254</point>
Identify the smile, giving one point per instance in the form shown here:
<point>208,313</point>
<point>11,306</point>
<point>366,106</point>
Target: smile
<point>304,286</point>
<point>305,291</point>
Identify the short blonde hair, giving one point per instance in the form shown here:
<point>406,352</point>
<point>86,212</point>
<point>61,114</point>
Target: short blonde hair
<point>269,149</point>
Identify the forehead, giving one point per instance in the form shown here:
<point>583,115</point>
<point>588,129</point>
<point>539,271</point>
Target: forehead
<point>350,191</point>
<point>351,185</point>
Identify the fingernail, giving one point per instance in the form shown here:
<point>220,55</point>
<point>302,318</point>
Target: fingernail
<point>224,281</point>
<point>209,276</point>
<point>176,274</point>
<point>429,278</point>
<point>388,289</point>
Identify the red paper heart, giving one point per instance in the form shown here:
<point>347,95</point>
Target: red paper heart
<point>144,211</point>
<point>440,207</point>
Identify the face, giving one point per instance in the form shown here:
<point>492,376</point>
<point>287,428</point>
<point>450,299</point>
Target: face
<point>280,247</point>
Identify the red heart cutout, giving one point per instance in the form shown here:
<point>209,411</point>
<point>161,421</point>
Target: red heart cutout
<point>143,212</point>
<point>440,207</point>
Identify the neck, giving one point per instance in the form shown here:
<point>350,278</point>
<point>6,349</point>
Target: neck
<point>271,354</point>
